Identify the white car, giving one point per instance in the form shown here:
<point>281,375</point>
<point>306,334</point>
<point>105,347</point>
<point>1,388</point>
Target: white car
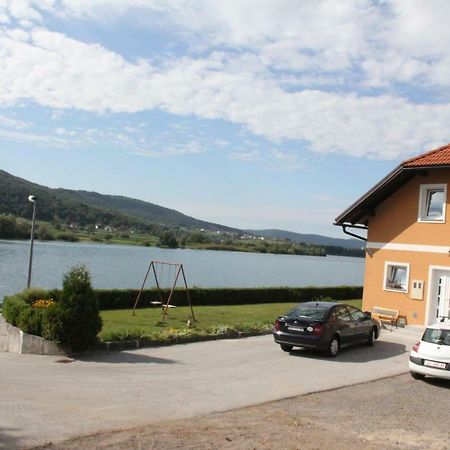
<point>431,355</point>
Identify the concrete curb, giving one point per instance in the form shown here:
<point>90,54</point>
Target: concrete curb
<point>14,340</point>
<point>141,343</point>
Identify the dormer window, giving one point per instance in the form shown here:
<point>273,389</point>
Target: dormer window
<point>432,202</point>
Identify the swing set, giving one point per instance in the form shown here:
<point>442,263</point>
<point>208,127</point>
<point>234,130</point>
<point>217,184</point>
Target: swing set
<point>174,271</point>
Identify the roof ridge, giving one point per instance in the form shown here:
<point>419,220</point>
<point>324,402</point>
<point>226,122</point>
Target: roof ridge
<point>424,155</point>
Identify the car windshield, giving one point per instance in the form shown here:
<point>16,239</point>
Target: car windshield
<point>436,336</point>
<point>309,311</point>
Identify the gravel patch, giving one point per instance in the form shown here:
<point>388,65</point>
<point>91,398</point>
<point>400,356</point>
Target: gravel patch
<point>392,413</point>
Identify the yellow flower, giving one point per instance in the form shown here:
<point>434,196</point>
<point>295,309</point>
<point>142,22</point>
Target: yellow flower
<point>42,303</point>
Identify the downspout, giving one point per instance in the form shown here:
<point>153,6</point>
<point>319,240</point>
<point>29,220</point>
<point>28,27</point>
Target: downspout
<point>358,227</point>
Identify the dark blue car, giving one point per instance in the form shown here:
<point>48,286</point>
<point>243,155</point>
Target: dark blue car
<point>325,326</point>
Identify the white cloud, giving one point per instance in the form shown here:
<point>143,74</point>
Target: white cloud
<point>270,52</point>
<point>32,138</point>
<point>22,10</point>
<point>161,151</point>
<point>8,122</point>
<point>222,143</point>
<point>248,155</point>
<point>418,27</point>
<point>273,159</point>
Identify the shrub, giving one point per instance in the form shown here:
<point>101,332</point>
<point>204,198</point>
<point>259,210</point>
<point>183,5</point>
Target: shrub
<point>22,309</point>
<point>168,239</point>
<point>52,327</point>
<point>68,237</point>
<point>70,317</point>
<point>12,307</point>
<point>32,294</point>
<point>30,320</point>
<point>78,319</point>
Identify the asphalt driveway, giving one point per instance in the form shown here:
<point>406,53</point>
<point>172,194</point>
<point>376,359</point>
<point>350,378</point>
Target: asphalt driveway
<point>47,398</point>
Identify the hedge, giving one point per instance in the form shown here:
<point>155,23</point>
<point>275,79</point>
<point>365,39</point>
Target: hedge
<point>125,298</point>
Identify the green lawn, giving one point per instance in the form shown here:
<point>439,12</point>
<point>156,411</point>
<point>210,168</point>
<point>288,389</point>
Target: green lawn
<point>121,325</point>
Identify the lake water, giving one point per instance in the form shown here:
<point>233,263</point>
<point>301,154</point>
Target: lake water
<point>119,266</point>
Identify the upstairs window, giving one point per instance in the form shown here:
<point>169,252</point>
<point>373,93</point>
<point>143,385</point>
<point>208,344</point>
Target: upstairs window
<point>432,202</point>
<point>396,277</point>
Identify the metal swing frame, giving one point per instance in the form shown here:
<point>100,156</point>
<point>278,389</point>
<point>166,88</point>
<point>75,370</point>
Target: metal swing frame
<point>179,272</point>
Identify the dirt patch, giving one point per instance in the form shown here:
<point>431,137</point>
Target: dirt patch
<point>394,413</point>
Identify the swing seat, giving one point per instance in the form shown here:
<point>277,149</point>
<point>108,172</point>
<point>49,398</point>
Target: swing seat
<point>156,303</point>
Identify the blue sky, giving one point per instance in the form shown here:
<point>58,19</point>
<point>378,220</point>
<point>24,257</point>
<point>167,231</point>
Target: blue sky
<point>253,114</point>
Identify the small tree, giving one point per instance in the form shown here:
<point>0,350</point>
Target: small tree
<point>168,239</point>
<point>81,321</point>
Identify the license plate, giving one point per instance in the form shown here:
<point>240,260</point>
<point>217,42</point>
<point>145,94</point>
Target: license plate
<point>296,328</point>
<point>437,365</point>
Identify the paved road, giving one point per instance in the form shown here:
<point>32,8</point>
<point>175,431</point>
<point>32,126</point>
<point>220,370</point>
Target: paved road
<point>45,400</point>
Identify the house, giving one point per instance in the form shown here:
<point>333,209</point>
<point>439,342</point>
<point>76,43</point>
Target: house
<point>407,221</point>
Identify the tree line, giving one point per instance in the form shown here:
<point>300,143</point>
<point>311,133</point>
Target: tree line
<point>170,239</point>
<point>12,227</point>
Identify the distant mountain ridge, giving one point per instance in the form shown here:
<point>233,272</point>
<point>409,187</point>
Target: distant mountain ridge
<point>313,239</point>
<point>83,207</point>
<point>90,208</point>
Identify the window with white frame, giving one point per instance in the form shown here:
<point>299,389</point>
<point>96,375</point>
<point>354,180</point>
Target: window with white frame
<point>396,276</point>
<point>433,198</point>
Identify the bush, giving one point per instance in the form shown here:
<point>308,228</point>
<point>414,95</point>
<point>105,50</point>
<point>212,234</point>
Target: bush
<point>12,307</point>
<point>43,233</point>
<point>168,239</point>
<point>68,237</point>
<point>52,326</point>
<point>77,319</point>
<point>30,320</point>
<point>70,317</point>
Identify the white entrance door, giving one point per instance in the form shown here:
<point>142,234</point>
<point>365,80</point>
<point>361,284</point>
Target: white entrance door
<point>442,295</point>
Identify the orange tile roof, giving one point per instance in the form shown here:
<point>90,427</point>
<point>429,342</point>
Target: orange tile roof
<point>359,211</point>
<point>437,157</point>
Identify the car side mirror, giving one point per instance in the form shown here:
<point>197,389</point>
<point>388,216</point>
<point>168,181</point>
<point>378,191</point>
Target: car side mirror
<point>367,315</point>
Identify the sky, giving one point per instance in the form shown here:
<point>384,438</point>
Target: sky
<point>254,114</point>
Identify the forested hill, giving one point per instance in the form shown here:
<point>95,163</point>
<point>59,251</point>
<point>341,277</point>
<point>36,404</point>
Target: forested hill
<point>312,239</point>
<point>82,210</point>
<point>89,208</point>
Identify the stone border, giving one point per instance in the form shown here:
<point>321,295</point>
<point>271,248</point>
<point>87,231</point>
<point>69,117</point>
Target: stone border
<point>14,340</point>
<point>134,344</point>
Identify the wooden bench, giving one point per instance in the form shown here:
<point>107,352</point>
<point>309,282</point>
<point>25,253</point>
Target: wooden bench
<point>386,315</point>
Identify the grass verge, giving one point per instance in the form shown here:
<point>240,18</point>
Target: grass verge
<point>211,321</point>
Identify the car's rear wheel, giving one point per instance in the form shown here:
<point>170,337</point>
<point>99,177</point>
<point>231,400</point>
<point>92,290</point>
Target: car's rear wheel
<point>333,346</point>
<point>371,339</point>
<point>286,347</point>
<point>417,376</point>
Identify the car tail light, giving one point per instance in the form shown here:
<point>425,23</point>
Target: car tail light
<point>416,347</point>
<point>276,325</point>
<point>318,329</point>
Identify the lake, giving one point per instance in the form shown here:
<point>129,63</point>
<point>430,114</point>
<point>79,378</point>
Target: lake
<point>121,266</point>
